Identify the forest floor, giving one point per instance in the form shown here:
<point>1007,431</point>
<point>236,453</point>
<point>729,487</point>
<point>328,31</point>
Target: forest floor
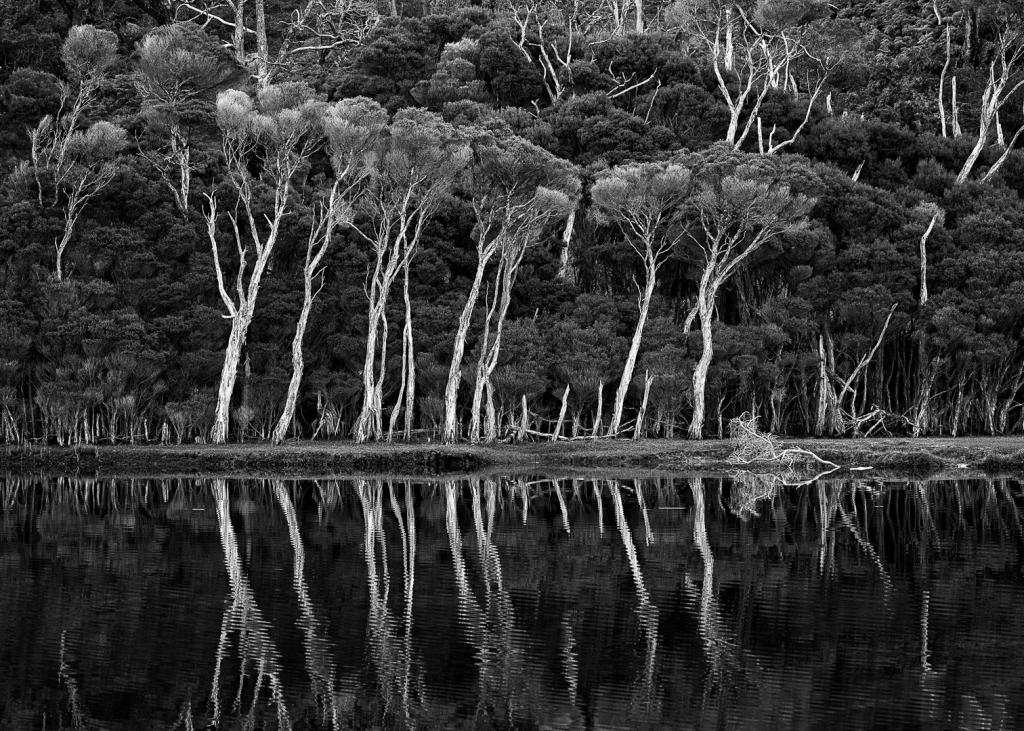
<point>949,456</point>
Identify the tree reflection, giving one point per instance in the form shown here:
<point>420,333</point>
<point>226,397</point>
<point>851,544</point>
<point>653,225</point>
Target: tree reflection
<point>490,627</point>
<point>390,640</point>
<point>647,613</point>
<point>319,659</point>
<point>721,650</point>
<point>256,650</point>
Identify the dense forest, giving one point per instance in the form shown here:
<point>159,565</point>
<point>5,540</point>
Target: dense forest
<point>267,219</point>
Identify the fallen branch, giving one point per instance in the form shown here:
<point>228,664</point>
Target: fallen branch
<point>753,446</point>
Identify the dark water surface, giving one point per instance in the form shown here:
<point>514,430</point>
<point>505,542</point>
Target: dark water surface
<point>510,603</point>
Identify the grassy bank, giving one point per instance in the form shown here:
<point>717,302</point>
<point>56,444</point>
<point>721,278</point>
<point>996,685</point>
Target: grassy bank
<point>991,454</point>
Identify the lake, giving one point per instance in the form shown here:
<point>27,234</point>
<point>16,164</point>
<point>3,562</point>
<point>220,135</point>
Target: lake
<point>511,602</point>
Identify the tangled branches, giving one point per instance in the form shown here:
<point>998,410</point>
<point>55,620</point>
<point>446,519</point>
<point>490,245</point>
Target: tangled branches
<point>753,446</point>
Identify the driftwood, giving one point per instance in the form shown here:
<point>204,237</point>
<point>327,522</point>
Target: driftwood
<point>753,446</point>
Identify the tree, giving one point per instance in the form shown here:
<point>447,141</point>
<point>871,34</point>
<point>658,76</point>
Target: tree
<point>750,58</point>
<point>738,208</point>
<point>1003,83</point>
<point>646,203</point>
<point>422,158</point>
<point>75,165</point>
<point>178,69</point>
<point>326,217</point>
<point>277,132</point>
<point>517,190</point>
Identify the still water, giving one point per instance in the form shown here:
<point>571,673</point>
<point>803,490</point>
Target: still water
<point>684,602</point>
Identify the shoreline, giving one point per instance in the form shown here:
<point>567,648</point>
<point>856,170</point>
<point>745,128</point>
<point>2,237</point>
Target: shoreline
<point>922,456</point>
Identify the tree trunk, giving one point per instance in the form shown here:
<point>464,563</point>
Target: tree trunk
<point>406,391</point>
<point>288,414</point>
<point>238,37</point>
<point>634,350</point>
<point>229,373</point>
<point>599,414</point>
<point>700,371</point>
<point>524,422</point>
<point>638,427</point>
<point>942,81</point>
<point>262,47</point>
<point>565,271</point>
<point>451,391</point>
<point>364,427</point>
<point>561,415</point>
<point>410,369</point>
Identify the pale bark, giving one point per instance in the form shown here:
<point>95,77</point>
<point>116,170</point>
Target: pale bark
<point>954,104</point>
<point>700,371</point>
<point>998,90</point>
<point>394,241</point>
<point>599,413</point>
<point>759,61</point>
<point>524,422</point>
<point>634,347</point>
<point>512,253</point>
<point>407,380</point>
<point>642,414</point>
<point>316,248</point>
<point>769,146</point>
<point>1008,148</point>
<point>565,270</point>
<point>241,312</point>
<point>449,433</point>
<point>925,371</point>
<point>262,47</point>
<point>281,163</point>
<point>942,81</point>
<point>561,415</point>
<point>238,33</point>
<point>826,393</point>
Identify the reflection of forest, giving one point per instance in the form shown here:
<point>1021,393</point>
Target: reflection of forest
<point>507,602</point>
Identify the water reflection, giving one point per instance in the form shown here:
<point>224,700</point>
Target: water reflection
<point>505,602</point>
<point>255,650</point>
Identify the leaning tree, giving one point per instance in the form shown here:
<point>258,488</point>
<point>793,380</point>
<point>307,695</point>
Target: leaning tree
<point>517,190</point>
<point>740,204</point>
<point>646,201</point>
<point>266,142</point>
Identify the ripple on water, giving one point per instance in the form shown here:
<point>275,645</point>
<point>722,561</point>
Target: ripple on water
<point>503,603</point>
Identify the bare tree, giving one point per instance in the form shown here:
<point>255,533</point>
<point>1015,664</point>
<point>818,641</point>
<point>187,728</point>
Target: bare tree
<point>1004,80</point>
<point>313,27</point>
<point>277,131</point>
<point>646,203</point>
<point>750,60</point>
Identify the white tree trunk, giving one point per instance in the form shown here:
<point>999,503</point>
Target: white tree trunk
<point>298,365</point>
<point>634,350</point>
<point>642,414</point>
<point>229,373</point>
<point>366,421</point>
<point>565,271</point>
<point>451,391</point>
<point>700,371</point>
<point>561,415</point>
